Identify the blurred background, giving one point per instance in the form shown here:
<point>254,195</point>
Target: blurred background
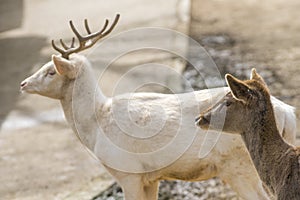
<point>40,158</point>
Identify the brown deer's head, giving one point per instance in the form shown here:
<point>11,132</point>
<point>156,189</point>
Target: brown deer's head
<point>240,107</point>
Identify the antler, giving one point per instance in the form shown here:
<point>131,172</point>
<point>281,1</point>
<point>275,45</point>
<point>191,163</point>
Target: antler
<point>92,38</point>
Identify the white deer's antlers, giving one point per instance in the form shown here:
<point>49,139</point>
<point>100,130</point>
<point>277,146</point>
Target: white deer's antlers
<point>92,37</point>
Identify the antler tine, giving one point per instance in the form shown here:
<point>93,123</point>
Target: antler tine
<point>98,35</point>
<point>73,42</point>
<point>113,25</point>
<point>93,35</point>
<point>79,37</point>
<point>63,44</point>
<point>104,26</point>
<point>57,48</point>
<point>89,31</point>
<point>87,26</point>
<point>64,53</point>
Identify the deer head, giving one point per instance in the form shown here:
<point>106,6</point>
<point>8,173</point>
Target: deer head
<point>51,79</point>
<point>247,100</point>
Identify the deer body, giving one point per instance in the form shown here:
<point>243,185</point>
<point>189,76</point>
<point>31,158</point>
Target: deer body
<point>249,112</point>
<point>97,120</point>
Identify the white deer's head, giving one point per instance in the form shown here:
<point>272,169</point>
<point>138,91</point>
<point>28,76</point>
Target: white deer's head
<point>52,78</point>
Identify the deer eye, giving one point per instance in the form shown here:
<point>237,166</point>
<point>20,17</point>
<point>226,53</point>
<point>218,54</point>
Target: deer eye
<point>51,73</point>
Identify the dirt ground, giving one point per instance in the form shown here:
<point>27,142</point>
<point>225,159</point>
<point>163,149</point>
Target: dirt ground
<point>265,34</point>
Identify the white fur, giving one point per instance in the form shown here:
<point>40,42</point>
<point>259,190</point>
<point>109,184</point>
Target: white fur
<point>100,122</point>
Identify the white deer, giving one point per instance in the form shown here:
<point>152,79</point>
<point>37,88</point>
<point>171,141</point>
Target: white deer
<point>99,121</point>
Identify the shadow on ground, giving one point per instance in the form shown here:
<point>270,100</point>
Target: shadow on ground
<point>18,56</point>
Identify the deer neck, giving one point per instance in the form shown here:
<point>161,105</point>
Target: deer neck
<point>265,145</point>
<point>82,98</point>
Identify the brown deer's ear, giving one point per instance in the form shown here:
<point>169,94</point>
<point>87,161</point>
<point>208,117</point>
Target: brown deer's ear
<point>257,77</point>
<point>238,89</point>
<point>64,67</point>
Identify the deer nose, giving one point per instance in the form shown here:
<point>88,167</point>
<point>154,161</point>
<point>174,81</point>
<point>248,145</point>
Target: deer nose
<point>23,83</point>
<point>197,118</point>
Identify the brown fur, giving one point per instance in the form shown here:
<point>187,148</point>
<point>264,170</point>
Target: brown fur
<point>249,112</point>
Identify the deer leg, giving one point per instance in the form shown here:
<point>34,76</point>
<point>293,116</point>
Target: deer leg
<point>137,190</point>
<point>151,191</point>
<point>247,185</point>
<point>133,192</point>
<point>133,187</point>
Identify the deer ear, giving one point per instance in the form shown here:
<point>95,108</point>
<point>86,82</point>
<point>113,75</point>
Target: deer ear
<point>64,67</point>
<point>238,89</point>
<point>257,77</point>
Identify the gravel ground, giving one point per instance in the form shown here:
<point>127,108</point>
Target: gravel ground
<point>229,58</point>
<point>211,189</point>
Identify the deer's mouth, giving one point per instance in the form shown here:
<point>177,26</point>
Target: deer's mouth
<point>27,88</point>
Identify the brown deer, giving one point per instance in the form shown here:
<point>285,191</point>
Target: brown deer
<point>248,111</point>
